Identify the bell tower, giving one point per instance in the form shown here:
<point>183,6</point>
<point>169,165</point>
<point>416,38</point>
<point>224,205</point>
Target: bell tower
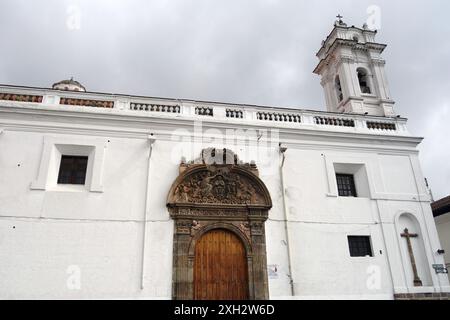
<point>352,72</point>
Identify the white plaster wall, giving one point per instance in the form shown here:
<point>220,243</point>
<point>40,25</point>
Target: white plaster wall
<point>443,229</point>
<point>37,256</point>
<point>124,171</point>
<point>319,226</point>
<point>42,233</point>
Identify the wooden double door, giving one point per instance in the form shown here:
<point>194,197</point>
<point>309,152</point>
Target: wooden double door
<point>220,267</point>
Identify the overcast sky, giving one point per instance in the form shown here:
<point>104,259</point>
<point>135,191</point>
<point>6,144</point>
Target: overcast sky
<point>242,51</point>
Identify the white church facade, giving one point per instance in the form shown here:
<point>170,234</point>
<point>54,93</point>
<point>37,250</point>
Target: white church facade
<point>118,196</point>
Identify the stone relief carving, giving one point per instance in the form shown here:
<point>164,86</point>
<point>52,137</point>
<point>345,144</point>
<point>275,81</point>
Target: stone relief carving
<point>221,186</point>
<point>183,226</point>
<point>257,227</point>
<point>245,228</point>
<point>195,226</point>
<point>208,212</point>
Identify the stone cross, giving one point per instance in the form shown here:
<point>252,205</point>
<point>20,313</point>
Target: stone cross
<point>408,236</point>
<point>339,17</point>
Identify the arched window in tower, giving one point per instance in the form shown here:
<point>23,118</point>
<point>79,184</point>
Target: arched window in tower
<point>337,84</point>
<point>363,80</point>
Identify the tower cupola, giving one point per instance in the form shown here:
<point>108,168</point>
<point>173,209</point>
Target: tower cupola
<point>69,85</point>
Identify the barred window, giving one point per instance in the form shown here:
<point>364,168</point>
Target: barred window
<point>72,170</point>
<point>346,185</point>
<point>360,246</point>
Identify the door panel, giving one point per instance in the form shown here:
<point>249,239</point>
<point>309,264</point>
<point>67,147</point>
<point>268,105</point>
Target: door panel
<point>220,267</point>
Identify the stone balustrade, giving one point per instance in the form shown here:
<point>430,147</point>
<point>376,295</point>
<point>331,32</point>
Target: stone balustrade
<point>330,121</point>
<point>204,111</point>
<point>20,97</point>
<point>381,125</point>
<point>277,117</point>
<point>87,102</point>
<point>155,107</point>
<point>234,113</point>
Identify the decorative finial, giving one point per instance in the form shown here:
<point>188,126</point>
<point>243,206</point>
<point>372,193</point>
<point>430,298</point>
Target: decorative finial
<point>339,21</point>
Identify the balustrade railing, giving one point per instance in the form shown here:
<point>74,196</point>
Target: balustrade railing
<point>21,97</point>
<point>87,103</point>
<point>155,107</point>
<point>234,113</point>
<point>279,117</point>
<point>204,111</point>
<point>330,121</point>
<point>305,118</point>
<point>381,125</point>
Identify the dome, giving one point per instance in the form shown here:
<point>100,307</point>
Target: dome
<point>69,85</point>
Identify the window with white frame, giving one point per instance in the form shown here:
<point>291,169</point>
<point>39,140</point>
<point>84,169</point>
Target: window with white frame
<point>71,164</point>
<point>351,180</point>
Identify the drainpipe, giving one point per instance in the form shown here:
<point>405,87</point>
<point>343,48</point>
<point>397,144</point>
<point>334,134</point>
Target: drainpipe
<point>146,208</point>
<point>285,209</point>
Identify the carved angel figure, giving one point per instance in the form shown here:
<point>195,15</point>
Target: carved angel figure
<point>181,193</point>
<point>206,186</point>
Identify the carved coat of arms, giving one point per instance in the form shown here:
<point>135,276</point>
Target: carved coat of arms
<point>217,187</point>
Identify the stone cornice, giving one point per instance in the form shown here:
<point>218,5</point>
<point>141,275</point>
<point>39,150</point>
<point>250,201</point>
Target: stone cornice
<point>378,62</point>
<point>378,47</point>
<point>336,28</point>
<point>345,59</point>
<point>105,122</point>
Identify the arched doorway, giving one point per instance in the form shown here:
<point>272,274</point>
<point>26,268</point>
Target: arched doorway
<point>212,193</point>
<point>220,267</point>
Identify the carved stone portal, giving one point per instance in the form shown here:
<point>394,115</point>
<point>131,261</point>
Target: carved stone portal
<point>208,196</point>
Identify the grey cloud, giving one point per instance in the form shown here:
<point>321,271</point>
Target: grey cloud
<point>248,51</point>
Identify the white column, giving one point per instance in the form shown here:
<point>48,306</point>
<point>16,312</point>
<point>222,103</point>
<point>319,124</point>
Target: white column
<point>380,79</point>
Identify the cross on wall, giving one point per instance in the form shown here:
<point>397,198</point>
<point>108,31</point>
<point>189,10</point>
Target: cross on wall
<point>408,236</point>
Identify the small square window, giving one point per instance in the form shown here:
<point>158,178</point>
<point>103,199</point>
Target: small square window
<point>346,185</point>
<point>72,170</point>
<point>360,246</point>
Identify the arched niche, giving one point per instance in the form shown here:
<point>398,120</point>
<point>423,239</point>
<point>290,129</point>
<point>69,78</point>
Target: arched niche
<point>364,81</point>
<point>413,252</point>
<point>338,87</point>
<point>207,196</point>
